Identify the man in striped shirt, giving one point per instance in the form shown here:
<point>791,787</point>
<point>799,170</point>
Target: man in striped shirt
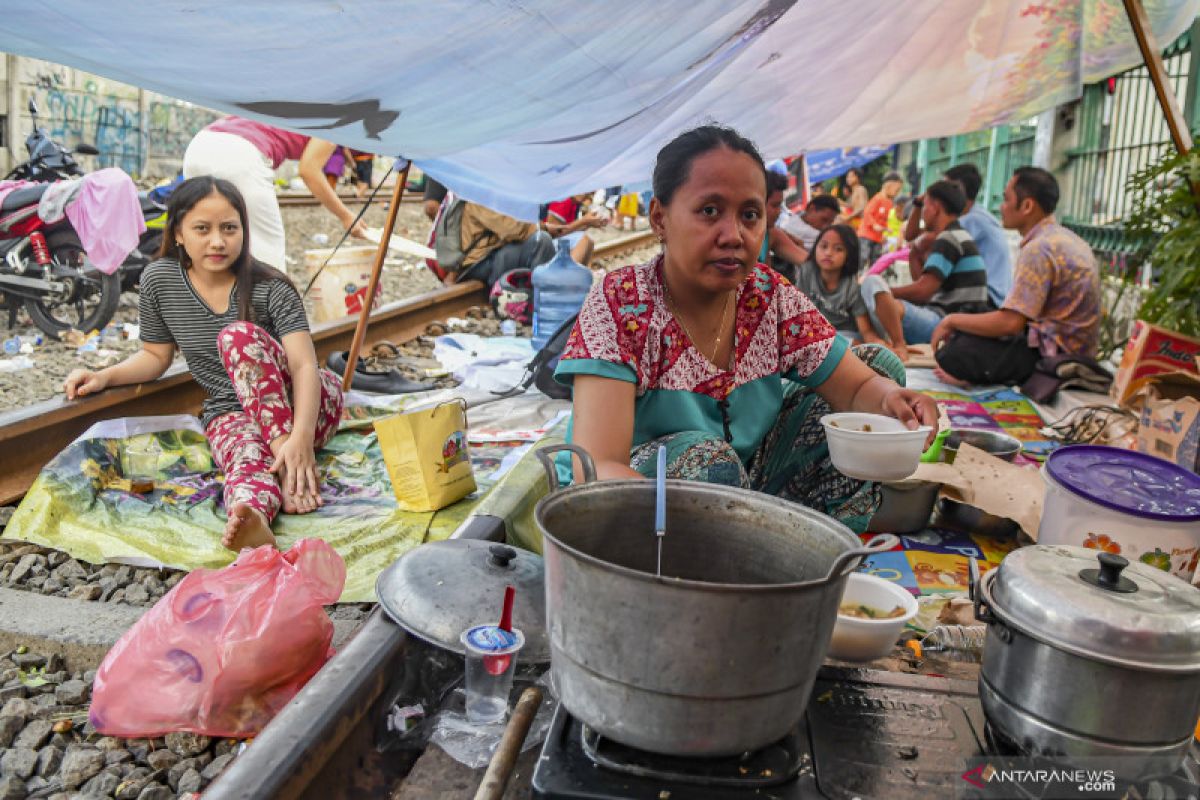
<point>952,280</point>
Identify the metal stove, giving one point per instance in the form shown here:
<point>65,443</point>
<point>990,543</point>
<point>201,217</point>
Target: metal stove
<point>866,734</point>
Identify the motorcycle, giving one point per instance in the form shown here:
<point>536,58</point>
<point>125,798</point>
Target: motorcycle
<point>43,266</point>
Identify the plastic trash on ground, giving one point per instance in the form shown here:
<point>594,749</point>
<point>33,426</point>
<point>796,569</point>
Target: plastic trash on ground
<point>226,649</point>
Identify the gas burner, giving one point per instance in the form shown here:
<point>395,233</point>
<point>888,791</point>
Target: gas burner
<point>866,734</point>
<point>769,766</point>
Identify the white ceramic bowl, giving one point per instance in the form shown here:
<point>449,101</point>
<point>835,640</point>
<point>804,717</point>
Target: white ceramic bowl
<point>856,639</point>
<point>887,452</point>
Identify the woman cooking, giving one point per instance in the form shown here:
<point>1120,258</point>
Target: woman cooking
<point>692,349</point>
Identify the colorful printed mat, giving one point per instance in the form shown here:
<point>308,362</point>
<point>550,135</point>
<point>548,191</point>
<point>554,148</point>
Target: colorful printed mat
<point>82,504</point>
<point>935,561</point>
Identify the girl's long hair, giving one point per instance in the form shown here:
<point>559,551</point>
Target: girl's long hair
<point>248,271</point>
<point>849,242</point>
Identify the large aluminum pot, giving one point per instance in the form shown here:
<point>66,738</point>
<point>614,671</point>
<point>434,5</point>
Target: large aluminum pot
<point>1089,656</point>
<point>717,656</point>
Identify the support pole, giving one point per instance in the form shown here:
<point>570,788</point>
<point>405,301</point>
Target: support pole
<point>1180,134</point>
<point>360,331</point>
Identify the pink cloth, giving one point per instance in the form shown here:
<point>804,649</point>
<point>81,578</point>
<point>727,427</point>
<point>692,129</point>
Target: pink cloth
<point>277,145</point>
<point>883,262</point>
<point>107,217</point>
<point>8,187</point>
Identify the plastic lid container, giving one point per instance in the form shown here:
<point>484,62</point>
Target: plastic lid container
<point>1127,481</point>
<point>492,640</point>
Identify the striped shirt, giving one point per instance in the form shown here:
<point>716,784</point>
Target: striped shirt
<point>171,312</point>
<point>955,259</point>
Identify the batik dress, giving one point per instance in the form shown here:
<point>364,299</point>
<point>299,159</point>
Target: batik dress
<point>754,424</point>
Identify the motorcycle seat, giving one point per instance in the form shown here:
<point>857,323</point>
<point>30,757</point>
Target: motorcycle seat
<point>149,204</point>
<point>25,196</point>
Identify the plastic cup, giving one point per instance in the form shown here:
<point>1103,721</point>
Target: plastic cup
<point>491,654</point>
<point>141,467</point>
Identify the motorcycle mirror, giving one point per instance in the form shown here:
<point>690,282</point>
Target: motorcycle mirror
<point>33,108</point>
<point>86,149</point>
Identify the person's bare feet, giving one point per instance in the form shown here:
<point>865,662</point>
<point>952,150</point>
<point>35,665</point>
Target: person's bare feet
<point>246,527</point>
<point>901,351</point>
<point>296,503</point>
<point>946,377</point>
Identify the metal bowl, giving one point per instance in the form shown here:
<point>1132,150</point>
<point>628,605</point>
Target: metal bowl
<point>1001,445</point>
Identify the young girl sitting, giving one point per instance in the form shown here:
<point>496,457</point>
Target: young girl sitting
<point>243,332</point>
<point>828,278</point>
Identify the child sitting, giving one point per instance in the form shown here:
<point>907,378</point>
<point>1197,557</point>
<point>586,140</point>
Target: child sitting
<point>828,278</point>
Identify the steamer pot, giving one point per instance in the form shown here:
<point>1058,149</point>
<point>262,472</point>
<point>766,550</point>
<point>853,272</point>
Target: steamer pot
<point>1089,656</point>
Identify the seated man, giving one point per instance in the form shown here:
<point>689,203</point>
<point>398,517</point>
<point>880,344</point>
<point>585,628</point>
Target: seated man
<point>778,249</point>
<point>494,243</point>
<point>1054,305</point>
<point>566,218</point>
<point>986,231</point>
<point>952,279</point>
<point>820,213</point>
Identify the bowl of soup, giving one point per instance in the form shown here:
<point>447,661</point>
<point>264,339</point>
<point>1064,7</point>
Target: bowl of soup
<point>871,616</point>
<point>872,447</point>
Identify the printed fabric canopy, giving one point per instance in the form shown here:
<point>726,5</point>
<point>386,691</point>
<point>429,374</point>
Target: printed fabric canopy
<point>525,101</point>
<point>826,164</point>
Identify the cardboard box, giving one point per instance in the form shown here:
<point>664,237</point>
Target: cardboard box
<point>1153,351</point>
<point>1170,419</point>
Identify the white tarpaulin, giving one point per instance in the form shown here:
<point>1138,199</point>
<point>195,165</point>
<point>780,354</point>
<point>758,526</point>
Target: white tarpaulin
<point>515,102</point>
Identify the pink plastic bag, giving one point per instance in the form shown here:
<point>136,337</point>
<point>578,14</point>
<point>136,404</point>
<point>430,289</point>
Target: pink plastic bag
<point>224,650</point>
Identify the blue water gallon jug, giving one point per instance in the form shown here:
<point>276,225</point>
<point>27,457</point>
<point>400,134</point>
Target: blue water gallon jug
<point>559,287</point>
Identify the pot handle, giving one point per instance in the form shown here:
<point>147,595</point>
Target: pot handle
<point>841,568</point>
<point>543,454</point>
<point>975,593</point>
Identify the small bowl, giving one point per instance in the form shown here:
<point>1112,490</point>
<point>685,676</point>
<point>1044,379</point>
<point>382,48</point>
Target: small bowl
<point>856,639</point>
<point>1001,445</point>
<point>887,452</point>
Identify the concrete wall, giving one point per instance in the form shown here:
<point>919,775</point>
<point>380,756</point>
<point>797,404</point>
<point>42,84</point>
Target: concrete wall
<point>142,132</point>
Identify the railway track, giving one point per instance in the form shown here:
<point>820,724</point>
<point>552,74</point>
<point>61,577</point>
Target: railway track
<point>305,199</point>
<point>31,436</point>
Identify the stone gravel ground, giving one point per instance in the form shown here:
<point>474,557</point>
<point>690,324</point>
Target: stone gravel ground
<point>49,749</point>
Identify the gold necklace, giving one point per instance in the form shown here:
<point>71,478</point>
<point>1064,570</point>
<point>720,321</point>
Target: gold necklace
<point>724,316</point>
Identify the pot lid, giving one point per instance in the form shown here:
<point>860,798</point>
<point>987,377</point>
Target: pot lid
<point>440,589</point>
<point>1127,481</point>
<point>1100,606</point>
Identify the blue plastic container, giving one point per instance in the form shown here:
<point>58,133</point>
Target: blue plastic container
<point>559,288</point>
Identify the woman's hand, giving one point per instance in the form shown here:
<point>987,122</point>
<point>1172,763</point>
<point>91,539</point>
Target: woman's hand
<point>296,466</point>
<point>913,409</point>
<point>84,382</point>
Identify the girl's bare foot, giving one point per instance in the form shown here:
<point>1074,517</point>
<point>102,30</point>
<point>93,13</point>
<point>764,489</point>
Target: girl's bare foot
<point>946,377</point>
<point>303,503</point>
<point>246,527</point>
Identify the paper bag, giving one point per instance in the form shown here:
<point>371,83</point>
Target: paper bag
<point>426,456</point>
<point>1152,351</point>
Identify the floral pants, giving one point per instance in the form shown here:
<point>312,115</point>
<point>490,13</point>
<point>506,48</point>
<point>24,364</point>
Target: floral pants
<point>793,460</point>
<point>240,440</point>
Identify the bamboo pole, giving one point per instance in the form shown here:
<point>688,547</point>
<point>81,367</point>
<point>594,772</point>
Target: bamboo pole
<point>1180,133</point>
<point>360,331</point>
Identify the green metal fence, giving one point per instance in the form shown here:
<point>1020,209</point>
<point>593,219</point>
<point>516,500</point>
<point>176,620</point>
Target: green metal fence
<point>1121,131</point>
<point>996,152</point>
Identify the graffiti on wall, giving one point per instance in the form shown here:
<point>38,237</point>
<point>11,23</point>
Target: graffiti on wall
<point>113,123</point>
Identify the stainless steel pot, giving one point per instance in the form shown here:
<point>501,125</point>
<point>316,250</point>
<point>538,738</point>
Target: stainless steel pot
<point>906,506</point>
<point>1090,656</point>
<point>717,656</point>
